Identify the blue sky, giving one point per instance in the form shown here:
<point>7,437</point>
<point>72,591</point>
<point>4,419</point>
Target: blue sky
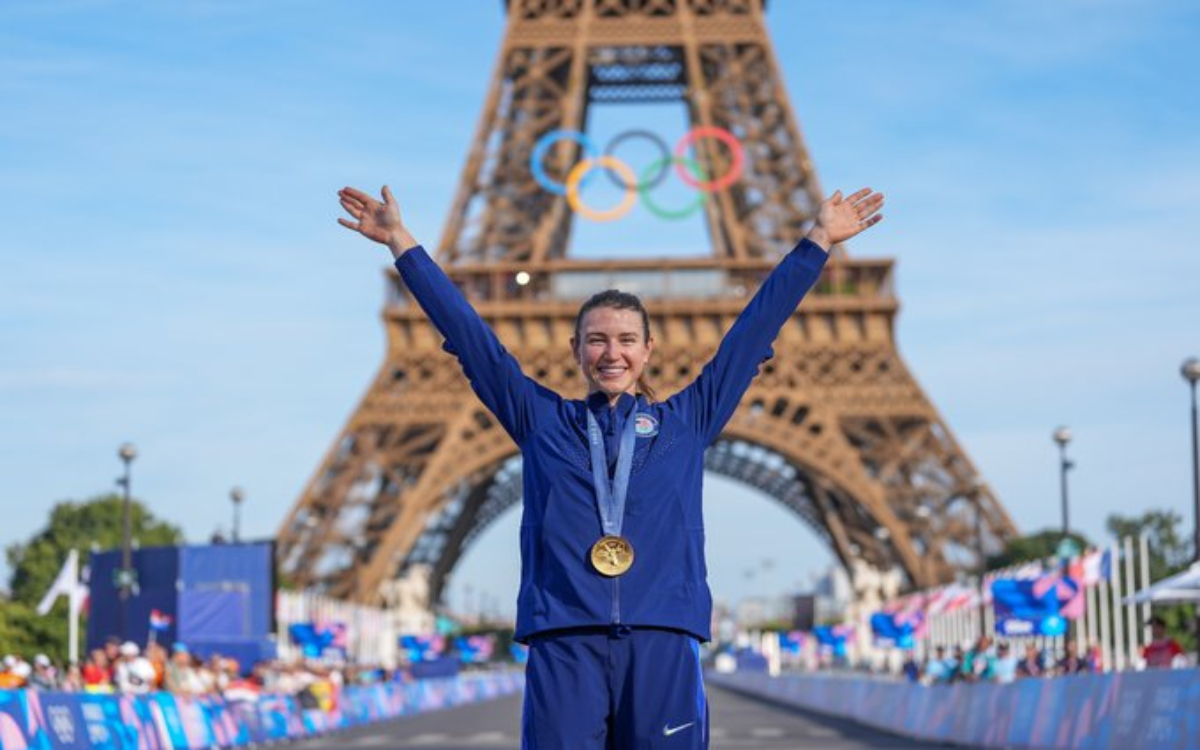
<point>172,273</point>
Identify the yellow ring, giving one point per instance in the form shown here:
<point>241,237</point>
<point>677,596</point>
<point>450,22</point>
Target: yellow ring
<point>613,163</point>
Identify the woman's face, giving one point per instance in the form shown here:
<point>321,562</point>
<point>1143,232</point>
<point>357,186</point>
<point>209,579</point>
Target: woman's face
<point>612,350</point>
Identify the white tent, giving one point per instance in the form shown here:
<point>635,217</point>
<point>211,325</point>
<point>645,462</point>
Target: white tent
<point>1181,587</point>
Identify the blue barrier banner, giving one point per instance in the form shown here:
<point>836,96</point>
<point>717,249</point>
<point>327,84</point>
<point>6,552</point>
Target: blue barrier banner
<point>1152,709</point>
<point>105,729</point>
<point>20,722</point>
<point>170,722</point>
<point>64,721</point>
<point>48,721</point>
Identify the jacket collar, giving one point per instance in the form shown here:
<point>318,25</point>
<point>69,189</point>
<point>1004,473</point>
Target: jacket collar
<point>597,402</point>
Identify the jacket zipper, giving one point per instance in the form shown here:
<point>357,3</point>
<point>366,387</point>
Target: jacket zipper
<point>616,607</point>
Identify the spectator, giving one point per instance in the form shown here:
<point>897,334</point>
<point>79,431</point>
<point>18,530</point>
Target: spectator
<point>96,673</point>
<point>112,652</point>
<point>977,664</point>
<point>157,656</point>
<point>134,672</point>
<point>1004,668</point>
<point>954,665</point>
<point>213,676</point>
<point>44,676</point>
<point>1032,665</point>
<point>181,677</point>
<point>1072,662</point>
<point>243,689</point>
<point>912,670</point>
<point>936,669</point>
<point>1094,658</point>
<point>14,673</point>
<point>1162,650</point>
<point>72,681</point>
<point>267,677</point>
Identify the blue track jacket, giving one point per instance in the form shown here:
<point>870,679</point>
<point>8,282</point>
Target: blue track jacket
<point>667,586</point>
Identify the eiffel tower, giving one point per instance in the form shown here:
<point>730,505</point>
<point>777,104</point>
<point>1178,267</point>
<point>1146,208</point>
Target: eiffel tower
<point>835,428</point>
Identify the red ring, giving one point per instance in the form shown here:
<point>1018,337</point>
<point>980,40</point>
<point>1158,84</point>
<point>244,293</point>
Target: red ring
<point>723,135</point>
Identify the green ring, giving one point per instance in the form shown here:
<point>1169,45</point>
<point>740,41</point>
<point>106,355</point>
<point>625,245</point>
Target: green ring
<point>662,213</point>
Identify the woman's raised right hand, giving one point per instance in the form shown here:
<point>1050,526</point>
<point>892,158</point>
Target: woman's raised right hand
<point>374,220</point>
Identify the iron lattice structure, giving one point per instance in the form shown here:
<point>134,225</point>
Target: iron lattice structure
<point>835,428</point>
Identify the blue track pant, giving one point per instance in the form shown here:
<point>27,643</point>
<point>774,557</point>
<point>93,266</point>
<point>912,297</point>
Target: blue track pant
<point>614,689</point>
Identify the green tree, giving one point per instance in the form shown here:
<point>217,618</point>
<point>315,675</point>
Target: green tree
<point>1170,553</point>
<point>82,526</point>
<point>1032,547</point>
<point>23,632</point>
<point>36,562</point>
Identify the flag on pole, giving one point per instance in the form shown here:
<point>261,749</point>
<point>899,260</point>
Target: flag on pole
<point>65,584</point>
<point>159,621</point>
<point>1068,591</point>
<point>1091,568</point>
<point>83,591</point>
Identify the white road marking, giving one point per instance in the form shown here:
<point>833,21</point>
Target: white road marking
<point>427,739</point>
<point>766,732</point>
<point>491,738</point>
<point>821,732</point>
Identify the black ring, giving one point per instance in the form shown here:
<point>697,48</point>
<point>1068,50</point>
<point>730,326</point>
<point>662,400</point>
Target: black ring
<point>662,146</point>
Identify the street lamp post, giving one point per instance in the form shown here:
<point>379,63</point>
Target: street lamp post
<point>237,495</point>
<point>977,496</point>
<point>127,452</point>
<point>1191,373</point>
<point>1062,436</point>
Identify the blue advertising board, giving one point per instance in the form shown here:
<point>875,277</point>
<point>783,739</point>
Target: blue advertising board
<point>1021,610</point>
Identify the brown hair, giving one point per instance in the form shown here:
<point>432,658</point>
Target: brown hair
<point>619,300</point>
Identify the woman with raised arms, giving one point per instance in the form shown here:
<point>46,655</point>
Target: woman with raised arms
<point>614,600</point>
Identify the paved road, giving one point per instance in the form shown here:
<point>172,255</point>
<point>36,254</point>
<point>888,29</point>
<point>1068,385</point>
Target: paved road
<point>737,722</point>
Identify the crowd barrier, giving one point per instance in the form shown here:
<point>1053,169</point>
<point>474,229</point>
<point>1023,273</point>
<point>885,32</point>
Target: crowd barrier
<point>162,721</point>
<point>1119,710</point>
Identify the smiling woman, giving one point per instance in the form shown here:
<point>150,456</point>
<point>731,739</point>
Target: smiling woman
<point>612,344</point>
<point>614,598</point>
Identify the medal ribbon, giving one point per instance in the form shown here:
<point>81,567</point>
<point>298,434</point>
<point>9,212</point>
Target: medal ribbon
<point>610,496</point>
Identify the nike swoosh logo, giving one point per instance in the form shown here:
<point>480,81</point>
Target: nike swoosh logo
<point>670,730</point>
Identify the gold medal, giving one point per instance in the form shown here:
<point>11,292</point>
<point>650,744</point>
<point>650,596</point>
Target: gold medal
<point>612,555</point>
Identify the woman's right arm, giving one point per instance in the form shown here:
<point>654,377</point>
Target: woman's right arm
<point>494,373</point>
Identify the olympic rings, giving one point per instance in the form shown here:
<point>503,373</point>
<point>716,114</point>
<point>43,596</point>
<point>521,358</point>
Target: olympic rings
<point>735,148</point>
<point>650,177</point>
<point>662,163</point>
<point>582,168</point>
<point>681,213</point>
<point>543,145</point>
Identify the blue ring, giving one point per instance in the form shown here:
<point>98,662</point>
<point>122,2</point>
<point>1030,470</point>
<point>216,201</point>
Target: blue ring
<point>543,145</point>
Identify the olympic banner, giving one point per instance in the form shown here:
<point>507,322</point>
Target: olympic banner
<point>161,721</point>
<point>890,632</point>
<point>640,185</point>
<point>1024,608</point>
<point>1114,711</point>
<point>791,642</point>
<point>833,639</point>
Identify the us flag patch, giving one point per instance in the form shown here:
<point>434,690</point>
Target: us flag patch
<point>645,426</point>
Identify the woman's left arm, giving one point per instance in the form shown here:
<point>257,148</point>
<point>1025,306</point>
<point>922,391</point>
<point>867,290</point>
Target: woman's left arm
<point>711,399</point>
